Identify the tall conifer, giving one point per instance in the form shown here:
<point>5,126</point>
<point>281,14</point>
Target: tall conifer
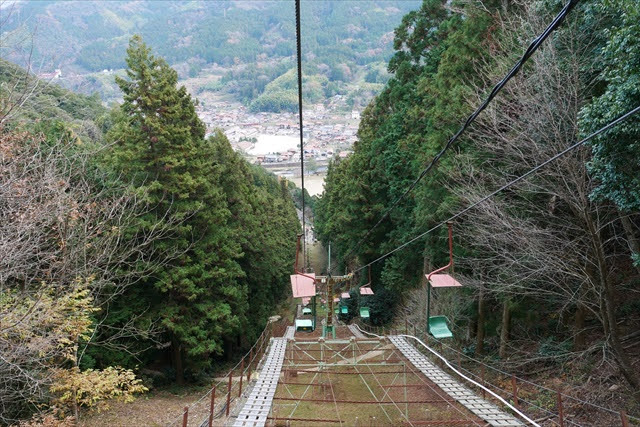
<point>160,148</point>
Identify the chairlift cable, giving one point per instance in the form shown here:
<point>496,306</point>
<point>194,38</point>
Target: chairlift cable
<point>535,44</point>
<point>507,185</point>
<point>299,64</point>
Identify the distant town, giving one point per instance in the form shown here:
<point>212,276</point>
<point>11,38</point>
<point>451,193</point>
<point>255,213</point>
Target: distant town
<point>272,139</point>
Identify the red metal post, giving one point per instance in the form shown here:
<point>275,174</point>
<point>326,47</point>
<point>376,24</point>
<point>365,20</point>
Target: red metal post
<point>185,416</point>
<point>623,418</point>
<point>241,375</point>
<point>229,392</point>
<point>515,390</point>
<point>560,412</point>
<point>212,405</point>
<point>450,226</point>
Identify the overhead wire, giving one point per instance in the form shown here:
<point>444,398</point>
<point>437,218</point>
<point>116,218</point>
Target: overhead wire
<point>299,66</point>
<point>446,362</point>
<point>477,384</point>
<point>385,393</point>
<point>507,185</point>
<point>535,44</point>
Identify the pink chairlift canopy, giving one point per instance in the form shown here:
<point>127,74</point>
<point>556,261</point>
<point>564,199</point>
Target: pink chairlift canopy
<point>366,291</point>
<point>306,300</point>
<point>345,295</point>
<point>336,299</point>
<point>303,286</point>
<point>443,281</point>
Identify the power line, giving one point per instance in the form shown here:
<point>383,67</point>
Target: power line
<point>299,63</point>
<point>535,44</point>
<point>509,184</point>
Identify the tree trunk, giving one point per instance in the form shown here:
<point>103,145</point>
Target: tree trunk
<point>176,355</point>
<point>579,337</point>
<point>632,240</point>
<point>504,331</point>
<point>480,324</point>
<point>76,412</point>
<point>608,306</point>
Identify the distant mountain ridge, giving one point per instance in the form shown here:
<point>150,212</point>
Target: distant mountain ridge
<point>90,36</point>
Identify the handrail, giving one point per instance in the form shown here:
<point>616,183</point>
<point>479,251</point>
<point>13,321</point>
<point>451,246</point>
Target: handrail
<point>263,344</point>
<point>539,386</point>
<point>497,396</point>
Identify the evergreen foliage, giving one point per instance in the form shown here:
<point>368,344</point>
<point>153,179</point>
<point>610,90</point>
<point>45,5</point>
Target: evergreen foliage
<point>616,154</point>
<point>520,254</point>
<point>233,249</point>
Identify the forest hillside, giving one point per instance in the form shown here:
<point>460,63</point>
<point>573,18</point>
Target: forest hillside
<point>248,43</point>
<point>133,251</point>
<point>551,265</point>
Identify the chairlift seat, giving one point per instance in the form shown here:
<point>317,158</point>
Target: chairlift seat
<point>304,325</point>
<point>364,312</point>
<point>306,310</point>
<point>438,327</point>
<point>344,309</point>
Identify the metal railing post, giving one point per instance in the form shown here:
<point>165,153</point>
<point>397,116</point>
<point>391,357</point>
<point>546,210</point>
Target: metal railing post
<point>241,375</point>
<point>212,405</point>
<point>229,392</point>
<point>623,418</point>
<point>560,412</point>
<point>185,416</point>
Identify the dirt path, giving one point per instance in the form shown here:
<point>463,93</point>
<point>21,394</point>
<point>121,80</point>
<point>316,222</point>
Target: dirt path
<point>152,409</point>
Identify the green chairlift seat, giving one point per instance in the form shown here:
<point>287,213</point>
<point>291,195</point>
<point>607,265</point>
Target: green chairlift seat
<point>344,309</point>
<point>438,327</point>
<point>335,310</point>
<point>306,311</point>
<point>364,312</point>
<point>305,325</point>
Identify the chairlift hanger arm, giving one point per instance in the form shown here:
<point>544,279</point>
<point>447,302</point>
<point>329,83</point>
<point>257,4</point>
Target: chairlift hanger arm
<point>368,284</point>
<point>295,266</point>
<point>450,226</point>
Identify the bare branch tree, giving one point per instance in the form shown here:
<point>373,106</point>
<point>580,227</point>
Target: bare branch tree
<point>59,224</point>
<point>545,238</point>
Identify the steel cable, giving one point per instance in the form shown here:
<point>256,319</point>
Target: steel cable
<point>535,44</point>
<point>507,185</point>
